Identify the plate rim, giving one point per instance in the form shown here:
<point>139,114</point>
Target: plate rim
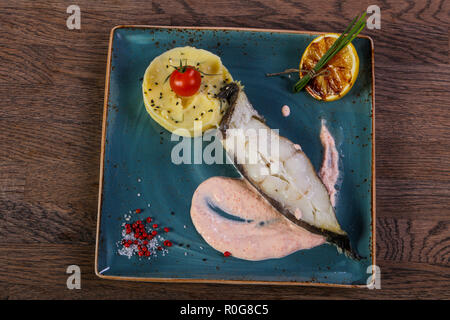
<point>222,281</point>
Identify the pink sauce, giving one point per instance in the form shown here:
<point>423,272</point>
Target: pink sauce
<point>329,172</point>
<point>285,111</point>
<point>262,232</point>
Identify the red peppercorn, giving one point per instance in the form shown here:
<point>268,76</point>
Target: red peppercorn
<point>140,253</point>
<point>155,226</point>
<point>135,242</point>
<point>145,242</point>
<point>154,233</point>
<point>136,235</point>
<point>144,248</point>
<point>130,242</point>
<point>159,248</point>
<point>147,253</point>
<point>138,210</point>
<point>149,220</point>
<point>166,229</point>
<point>227,253</point>
<point>139,222</point>
<point>128,231</point>
<point>126,244</point>
<point>167,243</point>
<point>144,234</point>
<point>149,237</point>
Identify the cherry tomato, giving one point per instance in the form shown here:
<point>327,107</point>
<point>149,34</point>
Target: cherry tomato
<point>185,82</point>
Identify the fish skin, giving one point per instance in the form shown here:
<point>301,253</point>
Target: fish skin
<point>234,94</point>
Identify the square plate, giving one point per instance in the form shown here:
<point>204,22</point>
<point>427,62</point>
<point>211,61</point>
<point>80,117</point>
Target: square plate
<point>136,170</point>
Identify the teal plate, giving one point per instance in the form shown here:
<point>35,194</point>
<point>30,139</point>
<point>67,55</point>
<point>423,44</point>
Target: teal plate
<point>136,170</point>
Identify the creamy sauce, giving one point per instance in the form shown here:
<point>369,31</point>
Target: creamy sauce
<point>249,227</point>
<point>285,111</point>
<point>329,172</point>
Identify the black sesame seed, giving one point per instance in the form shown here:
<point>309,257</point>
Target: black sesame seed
<point>156,83</point>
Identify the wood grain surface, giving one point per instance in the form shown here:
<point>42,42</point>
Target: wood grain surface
<point>52,84</point>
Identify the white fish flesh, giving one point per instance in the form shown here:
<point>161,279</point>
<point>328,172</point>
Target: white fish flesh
<point>284,177</point>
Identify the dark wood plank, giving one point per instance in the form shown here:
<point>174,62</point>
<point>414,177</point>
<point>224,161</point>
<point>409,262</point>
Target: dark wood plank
<point>43,274</point>
<point>52,81</point>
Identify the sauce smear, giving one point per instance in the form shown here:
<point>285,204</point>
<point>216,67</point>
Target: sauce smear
<point>231,216</point>
<point>329,172</point>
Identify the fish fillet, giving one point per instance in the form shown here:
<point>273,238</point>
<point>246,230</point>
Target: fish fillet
<point>281,173</point>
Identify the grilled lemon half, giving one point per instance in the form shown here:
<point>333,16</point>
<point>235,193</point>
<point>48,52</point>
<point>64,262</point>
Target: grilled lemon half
<point>342,69</point>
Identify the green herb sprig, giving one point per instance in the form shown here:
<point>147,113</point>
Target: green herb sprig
<point>350,33</point>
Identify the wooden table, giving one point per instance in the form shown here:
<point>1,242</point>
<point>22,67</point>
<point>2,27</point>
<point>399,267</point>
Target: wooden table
<point>52,84</point>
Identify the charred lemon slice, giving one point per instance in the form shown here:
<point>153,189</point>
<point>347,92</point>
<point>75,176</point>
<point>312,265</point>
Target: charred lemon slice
<point>338,75</point>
